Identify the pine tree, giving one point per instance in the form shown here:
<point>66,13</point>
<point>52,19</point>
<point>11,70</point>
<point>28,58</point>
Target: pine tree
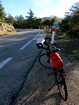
<point>30,19</point>
<point>2,13</point>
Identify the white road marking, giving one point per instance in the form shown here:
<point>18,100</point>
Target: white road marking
<point>25,45</point>
<point>28,43</point>
<point>9,59</point>
<point>34,38</point>
<point>5,62</point>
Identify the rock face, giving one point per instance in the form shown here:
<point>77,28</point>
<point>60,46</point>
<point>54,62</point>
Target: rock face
<point>5,28</point>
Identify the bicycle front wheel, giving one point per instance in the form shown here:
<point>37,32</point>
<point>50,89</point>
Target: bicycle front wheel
<point>44,60</point>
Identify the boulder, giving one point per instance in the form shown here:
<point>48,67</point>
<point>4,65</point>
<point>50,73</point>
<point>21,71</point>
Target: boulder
<point>5,28</point>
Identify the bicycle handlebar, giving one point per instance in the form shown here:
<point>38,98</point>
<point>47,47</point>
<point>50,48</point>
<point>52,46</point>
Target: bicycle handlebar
<point>45,44</point>
<point>54,48</point>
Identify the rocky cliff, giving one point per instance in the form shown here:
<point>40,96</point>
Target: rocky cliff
<point>6,28</point>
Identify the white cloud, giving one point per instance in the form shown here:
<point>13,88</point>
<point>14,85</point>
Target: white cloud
<point>51,11</point>
<point>67,4</point>
<point>42,3</point>
<point>53,7</point>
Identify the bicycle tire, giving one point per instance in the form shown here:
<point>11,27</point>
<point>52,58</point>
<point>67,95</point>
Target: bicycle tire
<point>45,61</point>
<point>62,87</point>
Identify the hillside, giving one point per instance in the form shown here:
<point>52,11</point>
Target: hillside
<point>51,17</point>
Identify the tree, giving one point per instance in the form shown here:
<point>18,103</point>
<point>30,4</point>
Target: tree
<point>37,23</point>
<point>2,13</point>
<point>47,22</point>
<point>20,22</point>
<point>9,19</point>
<point>31,14</point>
<point>64,26</point>
<point>55,19</point>
<point>74,20</point>
<point>70,23</point>
<point>30,18</point>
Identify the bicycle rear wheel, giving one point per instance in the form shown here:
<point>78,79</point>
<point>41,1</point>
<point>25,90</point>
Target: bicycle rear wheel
<point>62,87</point>
<point>44,60</point>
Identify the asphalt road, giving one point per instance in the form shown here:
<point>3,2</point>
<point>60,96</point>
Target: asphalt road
<point>18,53</point>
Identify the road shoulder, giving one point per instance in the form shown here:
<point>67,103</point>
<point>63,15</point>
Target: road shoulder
<point>35,90</point>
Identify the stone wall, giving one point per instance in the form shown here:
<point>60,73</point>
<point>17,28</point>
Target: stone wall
<point>5,28</point>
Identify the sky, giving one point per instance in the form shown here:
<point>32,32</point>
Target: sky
<point>40,8</point>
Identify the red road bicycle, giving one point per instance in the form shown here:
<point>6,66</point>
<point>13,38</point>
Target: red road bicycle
<point>51,59</point>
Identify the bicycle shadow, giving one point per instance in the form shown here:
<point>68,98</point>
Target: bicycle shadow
<point>52,99</point>
<point>55,97</point>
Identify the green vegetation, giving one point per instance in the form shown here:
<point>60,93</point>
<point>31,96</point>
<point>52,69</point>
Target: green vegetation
<point>2,13</point>
<point>70,24</point>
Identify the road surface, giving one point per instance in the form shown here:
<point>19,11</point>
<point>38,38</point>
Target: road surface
<point>18,53</point>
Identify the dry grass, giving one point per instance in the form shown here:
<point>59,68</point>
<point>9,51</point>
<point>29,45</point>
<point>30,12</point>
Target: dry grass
<point>69,47</point>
